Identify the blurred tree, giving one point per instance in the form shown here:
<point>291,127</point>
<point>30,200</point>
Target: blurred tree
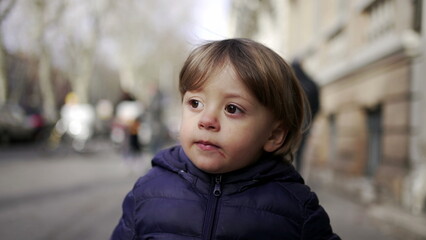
<point>82,43</point>
<point>46,19</point>
<point>5,8</point>
<point>151,40</point>
<point>143,42</point>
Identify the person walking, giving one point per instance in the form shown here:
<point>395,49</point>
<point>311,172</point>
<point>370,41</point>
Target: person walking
<point>312,93</point>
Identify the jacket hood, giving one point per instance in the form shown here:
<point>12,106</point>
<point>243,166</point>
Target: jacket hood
<point>269,167</point>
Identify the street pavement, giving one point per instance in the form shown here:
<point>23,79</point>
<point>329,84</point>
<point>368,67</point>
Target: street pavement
<point>62,195</point>
<point>65,195</point>
<point>350,220</point>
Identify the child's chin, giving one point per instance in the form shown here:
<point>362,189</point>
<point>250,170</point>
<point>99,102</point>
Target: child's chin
<point>208,168</point>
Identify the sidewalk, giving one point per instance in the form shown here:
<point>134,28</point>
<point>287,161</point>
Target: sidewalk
<point>353,221</point>
<point>403,224</point>
<point>348,219</point>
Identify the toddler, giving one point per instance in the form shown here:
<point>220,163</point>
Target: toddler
<point>231,177</point>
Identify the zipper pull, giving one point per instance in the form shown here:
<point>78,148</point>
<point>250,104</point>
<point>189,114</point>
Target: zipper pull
<point>217,190</point>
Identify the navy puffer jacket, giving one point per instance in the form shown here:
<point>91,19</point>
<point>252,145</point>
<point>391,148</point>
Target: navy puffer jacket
<point>175,200</point>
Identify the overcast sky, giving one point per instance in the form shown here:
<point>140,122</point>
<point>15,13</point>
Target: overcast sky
<point>213,20</point>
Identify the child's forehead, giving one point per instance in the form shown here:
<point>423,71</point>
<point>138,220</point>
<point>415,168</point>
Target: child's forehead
<point>206,74</point>
<point>226,71</point>
<point>227,81</point>
<point>225,74</point>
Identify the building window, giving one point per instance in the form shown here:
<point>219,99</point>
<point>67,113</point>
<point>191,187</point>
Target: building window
<point>381,19</point>
<point>374,123</point>
<point>417,16</point>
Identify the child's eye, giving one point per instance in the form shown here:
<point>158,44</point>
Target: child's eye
<point>195,103</point>
<point>232,109</point>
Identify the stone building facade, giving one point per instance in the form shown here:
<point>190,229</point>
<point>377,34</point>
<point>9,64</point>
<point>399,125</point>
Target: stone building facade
<point>368,58</point>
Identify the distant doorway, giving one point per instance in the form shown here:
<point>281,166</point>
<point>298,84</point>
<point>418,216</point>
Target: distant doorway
<point>374,142</point>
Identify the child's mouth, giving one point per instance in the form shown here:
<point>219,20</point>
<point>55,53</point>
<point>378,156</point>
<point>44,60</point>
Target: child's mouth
<point>206,146</point>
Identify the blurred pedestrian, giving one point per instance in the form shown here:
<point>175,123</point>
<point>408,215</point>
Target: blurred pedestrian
<point>159,130</point>
<point>312,93</point>
<point>135,145</point>
<point>77,121</point>
<point>232,176</point>
<point>125,126</point>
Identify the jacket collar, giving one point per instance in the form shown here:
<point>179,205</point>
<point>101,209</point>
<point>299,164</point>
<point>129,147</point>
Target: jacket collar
<point>269,167</point>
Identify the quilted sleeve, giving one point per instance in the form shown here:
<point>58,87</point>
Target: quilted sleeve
<point>316,225</point>
<point>125,229</point>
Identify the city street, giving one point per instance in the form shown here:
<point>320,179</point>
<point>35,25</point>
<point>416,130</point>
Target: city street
<point>65,195</point>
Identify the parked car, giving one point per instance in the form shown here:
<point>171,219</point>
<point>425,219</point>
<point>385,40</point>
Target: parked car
<point>17,125</point>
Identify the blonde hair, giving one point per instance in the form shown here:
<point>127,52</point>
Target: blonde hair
<point>267,76</point>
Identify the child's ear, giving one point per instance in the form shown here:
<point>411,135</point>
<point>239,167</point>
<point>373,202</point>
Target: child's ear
<point>276,139</point>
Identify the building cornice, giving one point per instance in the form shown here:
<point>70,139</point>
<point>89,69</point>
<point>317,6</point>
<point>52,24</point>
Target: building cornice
<point>408,43</point>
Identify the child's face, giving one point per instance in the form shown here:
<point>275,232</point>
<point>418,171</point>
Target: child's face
<point>224,127</point>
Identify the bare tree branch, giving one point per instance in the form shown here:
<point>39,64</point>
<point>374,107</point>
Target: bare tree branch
<point>7,9</point>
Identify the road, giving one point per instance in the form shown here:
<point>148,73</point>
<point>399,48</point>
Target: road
<point>65,195</point>
<point>61,195</point>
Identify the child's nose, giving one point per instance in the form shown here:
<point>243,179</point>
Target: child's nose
<point>209,121</point>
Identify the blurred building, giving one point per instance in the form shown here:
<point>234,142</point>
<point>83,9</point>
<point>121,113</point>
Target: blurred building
<point>368,57</point>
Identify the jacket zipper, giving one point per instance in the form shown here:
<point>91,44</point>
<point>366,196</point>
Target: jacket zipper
<point>212,206</point>
<point>217,188</point>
